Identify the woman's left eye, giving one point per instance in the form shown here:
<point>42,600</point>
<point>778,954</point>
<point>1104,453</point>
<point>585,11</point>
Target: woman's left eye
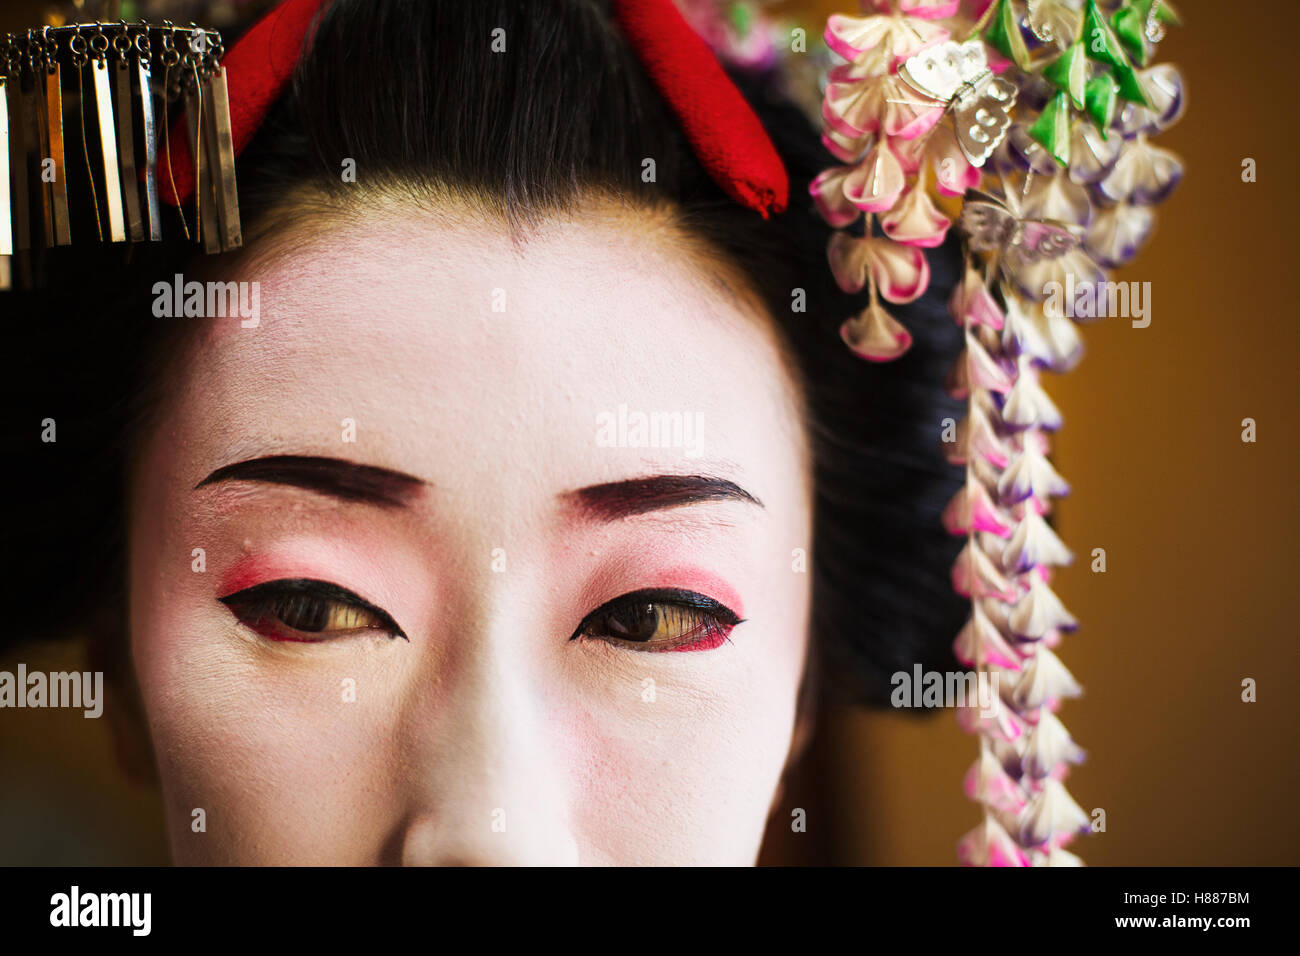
<point>307,611</point>
<point>660,620</point>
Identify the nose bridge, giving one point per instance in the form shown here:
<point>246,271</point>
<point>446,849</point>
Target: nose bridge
<point>487,786</point>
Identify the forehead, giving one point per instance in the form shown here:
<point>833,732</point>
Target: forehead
<point>597,348</point>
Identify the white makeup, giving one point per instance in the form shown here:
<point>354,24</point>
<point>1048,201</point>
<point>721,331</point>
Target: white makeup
<point>431,346</point>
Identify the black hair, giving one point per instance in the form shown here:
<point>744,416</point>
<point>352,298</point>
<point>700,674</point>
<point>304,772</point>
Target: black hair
<point>412,92</point>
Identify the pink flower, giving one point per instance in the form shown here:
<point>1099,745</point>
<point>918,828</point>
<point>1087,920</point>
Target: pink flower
<point>976,436</point>
<point>846,149</point>
<point>876,181</point>
<point>903,113</point>
<point>953,173</point>
<point>852,109</point>
<point>1001,725</point>
<point>856,107</point>
<point>971,300</point>
<point>976,574</point>
<point>972,508</point>
<point>910,153</point>
<point>891,36</point>
<point>989,783</point>
<point>990,845</point>
<point>915,221</point>
<point>900,273</point>
<point>975,366</point>
<point>980,640</point>
<point>827,191</point>
<point>875,335</point>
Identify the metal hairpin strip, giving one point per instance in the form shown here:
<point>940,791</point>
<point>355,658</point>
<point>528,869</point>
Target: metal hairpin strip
<point>120,73</point>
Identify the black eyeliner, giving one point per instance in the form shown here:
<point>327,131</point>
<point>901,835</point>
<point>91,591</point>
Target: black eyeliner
<point>323,590</point>
<point>680,598</point>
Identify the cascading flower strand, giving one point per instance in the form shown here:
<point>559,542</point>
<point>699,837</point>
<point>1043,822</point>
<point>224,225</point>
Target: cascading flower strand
<point>1053,105</point>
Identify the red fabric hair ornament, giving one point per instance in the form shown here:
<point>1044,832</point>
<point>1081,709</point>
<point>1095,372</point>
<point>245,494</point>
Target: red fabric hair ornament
<point>726,136</point>
<point>728,139</point>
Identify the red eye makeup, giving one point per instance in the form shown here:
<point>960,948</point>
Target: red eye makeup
<point>660,619</point>
<point>308,611</point>
<point>312,611</point>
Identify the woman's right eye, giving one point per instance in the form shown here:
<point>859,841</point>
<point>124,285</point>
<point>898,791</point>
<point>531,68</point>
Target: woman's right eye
<point>308,611</point>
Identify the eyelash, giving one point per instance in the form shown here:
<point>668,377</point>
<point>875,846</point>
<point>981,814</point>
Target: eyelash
<point>710,622</point>
<point>267,608</point>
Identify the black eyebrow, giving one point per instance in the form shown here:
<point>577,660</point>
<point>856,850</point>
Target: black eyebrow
<point>621,499</point>
<point>345,480</point>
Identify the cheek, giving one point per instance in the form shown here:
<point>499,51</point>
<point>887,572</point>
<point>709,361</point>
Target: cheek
<point>290,764</point>
<point>679,763</point>
<point>675,758</point>
<point>282,756</point>
<point>688,789</point>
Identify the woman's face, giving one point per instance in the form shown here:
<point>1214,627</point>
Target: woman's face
<point>487,611</point>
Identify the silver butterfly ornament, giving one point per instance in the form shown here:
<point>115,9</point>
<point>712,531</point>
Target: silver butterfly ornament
<point>957,75</point>
<point>995,225</point>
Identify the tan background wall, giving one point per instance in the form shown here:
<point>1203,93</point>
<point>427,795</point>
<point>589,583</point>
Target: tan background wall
<point>1199,531</point>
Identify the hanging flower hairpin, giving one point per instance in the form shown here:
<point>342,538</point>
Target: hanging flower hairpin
<point>1040,117</point>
